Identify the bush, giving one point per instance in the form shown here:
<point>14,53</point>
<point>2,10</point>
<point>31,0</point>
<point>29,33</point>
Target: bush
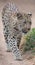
<point>30,40</point>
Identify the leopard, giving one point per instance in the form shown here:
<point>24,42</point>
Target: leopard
<point>15,23</point>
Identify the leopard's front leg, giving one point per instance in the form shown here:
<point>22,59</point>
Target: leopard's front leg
<point>15,50</point>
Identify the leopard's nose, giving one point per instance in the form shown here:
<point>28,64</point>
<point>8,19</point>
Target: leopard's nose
<point>28,28</point>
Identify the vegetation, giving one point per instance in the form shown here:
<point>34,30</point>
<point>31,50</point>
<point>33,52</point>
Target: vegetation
<point>30,41</point>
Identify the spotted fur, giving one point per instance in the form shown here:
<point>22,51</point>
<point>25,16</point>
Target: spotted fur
<point>15,24</point>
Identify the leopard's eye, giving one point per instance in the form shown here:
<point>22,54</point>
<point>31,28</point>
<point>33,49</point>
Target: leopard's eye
<point>30,23</point>
<point>24,22</point>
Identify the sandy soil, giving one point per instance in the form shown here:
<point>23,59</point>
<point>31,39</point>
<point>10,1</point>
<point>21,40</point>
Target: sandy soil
<point>6,58</point>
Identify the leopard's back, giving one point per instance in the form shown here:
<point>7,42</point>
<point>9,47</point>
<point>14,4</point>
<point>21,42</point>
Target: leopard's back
<point>7,12</point>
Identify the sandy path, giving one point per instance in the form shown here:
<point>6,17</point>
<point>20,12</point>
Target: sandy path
<point>7,58</point>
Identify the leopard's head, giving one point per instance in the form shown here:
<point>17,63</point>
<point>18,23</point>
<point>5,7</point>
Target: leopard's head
<point>24,22</point>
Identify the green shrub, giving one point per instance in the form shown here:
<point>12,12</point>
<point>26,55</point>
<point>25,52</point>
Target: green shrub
<point>30,41</point>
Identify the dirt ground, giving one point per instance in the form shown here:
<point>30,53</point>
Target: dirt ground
<point>7,58</point>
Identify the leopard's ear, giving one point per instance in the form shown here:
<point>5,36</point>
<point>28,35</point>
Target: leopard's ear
<point>30,14</point>
<point>19,16</point>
